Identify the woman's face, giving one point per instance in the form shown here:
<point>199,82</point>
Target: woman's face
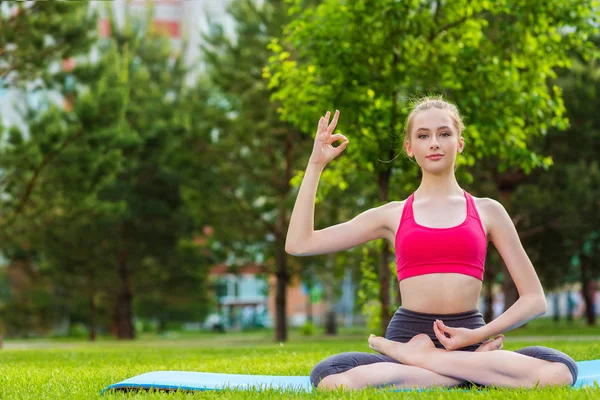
<point>434,142</point>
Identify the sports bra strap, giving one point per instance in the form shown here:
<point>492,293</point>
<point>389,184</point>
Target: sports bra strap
<point>471,209</point>
<point>407,211</point>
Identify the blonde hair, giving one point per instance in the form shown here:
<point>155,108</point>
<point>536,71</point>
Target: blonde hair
<point>438,102</point>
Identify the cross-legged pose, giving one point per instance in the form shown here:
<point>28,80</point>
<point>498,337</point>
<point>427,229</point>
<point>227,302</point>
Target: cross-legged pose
<point>437,338</point>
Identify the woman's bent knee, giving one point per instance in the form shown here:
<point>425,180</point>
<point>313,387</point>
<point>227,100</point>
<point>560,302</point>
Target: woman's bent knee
<point>335,381</point>
<point>562,369</point>
<point>341,363</point>
<point>557,374</point>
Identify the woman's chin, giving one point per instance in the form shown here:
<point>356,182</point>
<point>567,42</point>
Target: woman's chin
<point>440,169</point>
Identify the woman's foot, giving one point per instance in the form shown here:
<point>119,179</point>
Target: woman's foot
<point>491,345</point>
<point>406,353</point>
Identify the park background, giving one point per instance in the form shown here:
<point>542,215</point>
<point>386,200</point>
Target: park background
<point>152,150</point>
<point>151,153</point>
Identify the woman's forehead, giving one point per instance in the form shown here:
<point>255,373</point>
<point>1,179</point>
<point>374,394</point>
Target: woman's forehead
<point>432,119</point>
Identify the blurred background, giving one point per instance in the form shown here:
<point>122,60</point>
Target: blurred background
<point>151,153</point>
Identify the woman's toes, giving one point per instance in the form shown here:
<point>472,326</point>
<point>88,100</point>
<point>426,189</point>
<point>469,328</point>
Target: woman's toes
<point>491,345</point>
<point>376,343</point>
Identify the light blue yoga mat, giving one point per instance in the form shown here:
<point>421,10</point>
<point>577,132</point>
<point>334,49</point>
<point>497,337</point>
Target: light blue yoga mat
<point>173,380</point>
<point>589,374</point>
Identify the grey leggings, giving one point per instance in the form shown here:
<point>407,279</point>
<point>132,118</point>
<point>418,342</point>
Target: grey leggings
<point>405,324</point>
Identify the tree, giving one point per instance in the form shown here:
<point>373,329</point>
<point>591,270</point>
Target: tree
<point>36,34</point>
<point>115,187</point>
<point>54,172</point>
<point>179,288</point>
<point>251,152</point>
<point>148,184</point>
<point>560,206</point>
<point>368,57</point>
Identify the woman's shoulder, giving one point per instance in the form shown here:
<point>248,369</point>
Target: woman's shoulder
<point>396,206</point>
<point>488,205</point>
<point>491,211</point>
<point>392,208</point>
<point>391,215</point>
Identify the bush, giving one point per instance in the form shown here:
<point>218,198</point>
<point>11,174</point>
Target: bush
<point>308,329</point>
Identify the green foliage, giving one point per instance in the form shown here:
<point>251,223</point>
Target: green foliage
<point>247,154</point>
<point>35,35</point>
<point>493,59</point>
<point>564,200</point>
<point>308,329</point>
<point>371,58</point>
<point>178,289</point>
<point>368,292</point>
<point>97,190</point>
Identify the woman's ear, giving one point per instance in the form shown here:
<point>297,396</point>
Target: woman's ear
<point>461,144</point>
<point>408,149</point>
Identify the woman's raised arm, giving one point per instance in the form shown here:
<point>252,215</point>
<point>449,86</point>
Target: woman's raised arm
<point>301,238</point>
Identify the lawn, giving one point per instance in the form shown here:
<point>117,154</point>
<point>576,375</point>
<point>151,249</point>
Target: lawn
<point>79,370</point>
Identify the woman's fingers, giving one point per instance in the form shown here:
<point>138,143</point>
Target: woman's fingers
<point>445,328</point>
<point>326,121</point>
<point>331,126</point>
<point>341,148</point>
<point>325,128</point>
<point>337,136</point>
<point>439,334</point>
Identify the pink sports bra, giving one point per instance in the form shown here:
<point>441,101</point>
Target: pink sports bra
<point>423,250</point>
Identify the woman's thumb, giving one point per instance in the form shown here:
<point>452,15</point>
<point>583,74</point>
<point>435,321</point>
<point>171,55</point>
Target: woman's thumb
<point>444,327</point>
<point>342,147</point>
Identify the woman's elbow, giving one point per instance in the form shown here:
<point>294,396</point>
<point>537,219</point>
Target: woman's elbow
<point>292,250</point>
<point>541,305</point>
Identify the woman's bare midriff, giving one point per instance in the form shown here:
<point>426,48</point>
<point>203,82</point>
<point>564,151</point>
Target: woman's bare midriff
<point>444,293</point>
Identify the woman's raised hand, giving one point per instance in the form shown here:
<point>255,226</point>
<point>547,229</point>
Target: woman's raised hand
<point>323,151</point>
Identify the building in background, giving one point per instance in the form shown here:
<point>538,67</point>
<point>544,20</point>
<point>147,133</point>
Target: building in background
<point>180,20</point>
<point>245,299</point>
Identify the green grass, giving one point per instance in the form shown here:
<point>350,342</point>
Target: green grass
<point>547,327</point>
<point>79,370</point>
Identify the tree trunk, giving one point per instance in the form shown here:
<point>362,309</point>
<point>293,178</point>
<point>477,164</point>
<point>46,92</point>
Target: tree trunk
<point>384,270</point>
<point>92,317</point>
<point>125,297</point>
<point>556,305</point>
<point>162,325</point>
<point>282,275</point>
<point>489,295</point>
<point>511,295</point>
<point>330,316</point>
<point>384,286</point>
<point>331,323</point>
<point>587,291</point>
<point>280,303</point>
<point>398,301</point>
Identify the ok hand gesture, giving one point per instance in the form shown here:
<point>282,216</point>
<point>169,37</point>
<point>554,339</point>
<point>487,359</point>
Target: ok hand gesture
<point>323,151</point>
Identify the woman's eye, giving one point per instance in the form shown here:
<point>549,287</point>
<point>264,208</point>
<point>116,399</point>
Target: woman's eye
<point>445,133</point>
<point>422,136</point>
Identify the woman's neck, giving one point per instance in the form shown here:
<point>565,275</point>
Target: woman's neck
<point>438,185</point>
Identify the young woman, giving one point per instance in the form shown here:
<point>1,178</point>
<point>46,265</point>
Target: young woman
<point>440,235</point>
